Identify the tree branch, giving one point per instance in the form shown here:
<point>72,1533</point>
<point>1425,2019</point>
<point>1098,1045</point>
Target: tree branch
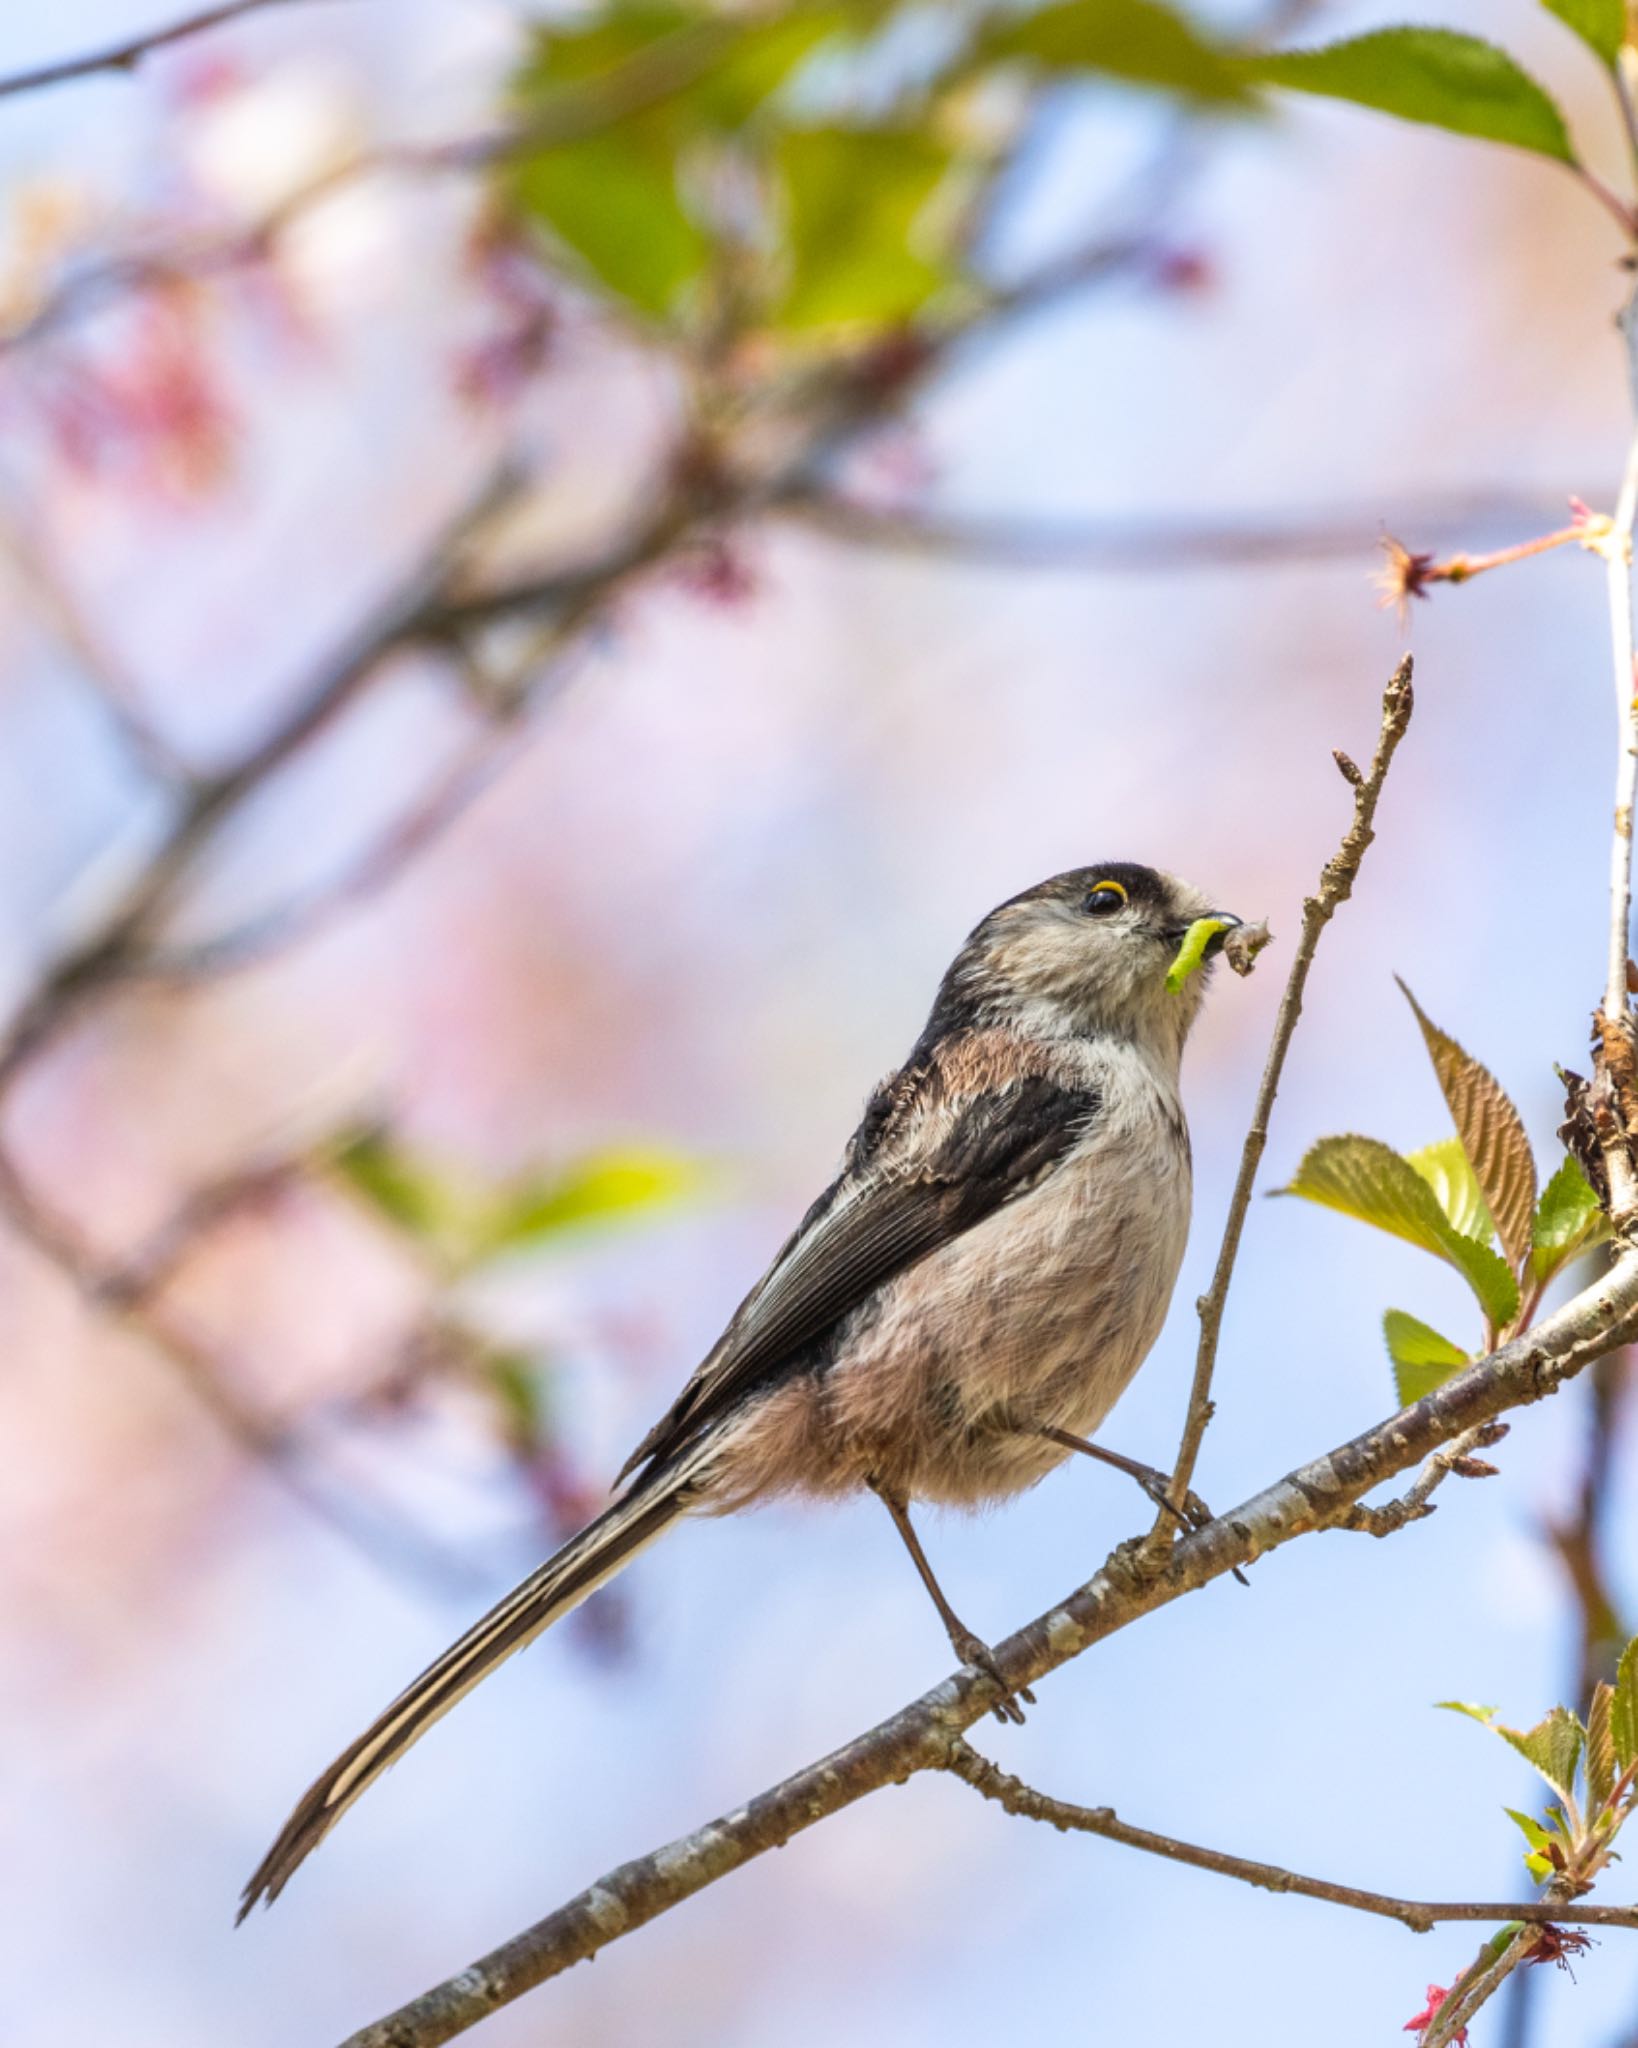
<point>126,1301</point>
<point>1319,1495</point>
<point>1415,1504</point>
<point>1335,886</point>
<point>127,56</point>
<point>1012,1794</point>
<point>1616,1097</point>
<point>1138,546</point>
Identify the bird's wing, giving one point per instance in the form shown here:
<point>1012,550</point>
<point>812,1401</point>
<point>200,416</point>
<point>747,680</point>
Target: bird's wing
<point>927,1163</point>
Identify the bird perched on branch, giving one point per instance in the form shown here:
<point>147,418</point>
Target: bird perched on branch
<point>961,1307</point>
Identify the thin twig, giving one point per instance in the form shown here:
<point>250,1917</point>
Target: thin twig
<point>375,1531</point>
<point>1416,1503</point>
<point>1335,886</point>
<point>964,1762</point>
<point>646,80</point>
<point>1319,1495</point>
<point>1615,1022</point>
<point>103,954</point>
<point>127,56</point>
<point>1139,546</point>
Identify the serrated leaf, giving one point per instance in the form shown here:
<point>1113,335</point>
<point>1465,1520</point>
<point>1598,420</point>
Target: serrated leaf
<point>1567,1221</point>
<point>1369,1180</point>
<point>1134,40</point>
<point>1449,1172</point>
<point>1430,75</point>
<point>607,1187</point>
<point>1601,24</point>
<point>1422,1359</point>
<point>857,202</point>
<point>1601,1768</point>
<point>1624,1708</point>
<point>1485,1716</point>
<point>1492,1134</point>
<point>1552,1747</point>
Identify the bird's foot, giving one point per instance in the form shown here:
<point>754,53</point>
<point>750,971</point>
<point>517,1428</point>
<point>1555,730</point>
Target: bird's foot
<point>981,1657</point>
<point>1194,1513</point>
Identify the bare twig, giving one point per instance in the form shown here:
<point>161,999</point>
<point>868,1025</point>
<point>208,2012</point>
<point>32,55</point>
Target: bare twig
<point>410,611</point>
<point>445,799</point>
<point>644,81</point>
<point>1616,1095</point>
<point>44,588</point>
<point>127,56</point>
<point>1416,1503</point>
<point>1335,886</point>
<point>963,1761</point>
<point>1319,1495</point>
<point>375,1531</point>
<point>1139,546</point>
<point>1490,1970</point>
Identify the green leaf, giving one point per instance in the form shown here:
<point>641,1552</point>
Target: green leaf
<point>1432,75</point>
<point>1485,1716</point>
<point>1422,1359</point>
<point>856,203</point>
<point>1552,1747</point>
<point>1492,1134</point>
<point>1601,1768</point>
<point>1536,1860</point>
<point>1134,40</point>
<point>1601,24</point>
<point>401,1190</point>
<point>608,1187</point>
<point>1369,1180</point>
<point>1568,1220</point>
<point>1449,1172</point>
<point>613,199</point>
<point>515,1380</point>
<point>577,52</point>
<point>1192,951</point>
<point>1624,1708</point>
<point>1534,1833</point>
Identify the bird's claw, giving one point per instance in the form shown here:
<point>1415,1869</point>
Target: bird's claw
<point>1192,1515</point>
<point>981,1658</point>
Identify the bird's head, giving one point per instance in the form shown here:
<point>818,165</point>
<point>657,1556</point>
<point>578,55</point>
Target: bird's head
<point>1087,952</point>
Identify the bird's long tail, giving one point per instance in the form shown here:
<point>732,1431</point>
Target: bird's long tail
<point>602,1548</point>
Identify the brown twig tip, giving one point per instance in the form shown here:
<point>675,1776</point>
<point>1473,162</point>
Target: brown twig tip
<point>1408,572</point>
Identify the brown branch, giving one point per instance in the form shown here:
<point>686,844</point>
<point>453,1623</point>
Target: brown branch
<point>920,1737</point>
<point>1335,886</point>
<point>1135,546</point>
<point>1415,1504</point>
<point>374,1530</point>
<point>575,114</point>
<point>127,56</point>
<point>1012,1794</point>
<point>409,612</point>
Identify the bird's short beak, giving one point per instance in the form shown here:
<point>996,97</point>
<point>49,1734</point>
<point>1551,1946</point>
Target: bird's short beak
<point>1230,923</point>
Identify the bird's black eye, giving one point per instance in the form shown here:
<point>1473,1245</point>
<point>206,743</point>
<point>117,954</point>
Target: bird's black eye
<point>1103,899</point>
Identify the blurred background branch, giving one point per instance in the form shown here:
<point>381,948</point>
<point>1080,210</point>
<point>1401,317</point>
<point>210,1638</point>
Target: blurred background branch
<point>806,415</point>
